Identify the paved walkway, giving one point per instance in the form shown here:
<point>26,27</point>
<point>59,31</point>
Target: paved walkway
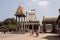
<point>27,36</point>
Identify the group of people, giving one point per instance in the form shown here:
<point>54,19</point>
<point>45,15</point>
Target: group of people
<point>34,32</point>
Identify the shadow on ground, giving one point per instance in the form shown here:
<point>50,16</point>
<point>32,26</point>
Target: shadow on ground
<point>55,37</point>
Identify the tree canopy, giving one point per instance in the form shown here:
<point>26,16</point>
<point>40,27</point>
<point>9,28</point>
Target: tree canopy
<point>9,23</point>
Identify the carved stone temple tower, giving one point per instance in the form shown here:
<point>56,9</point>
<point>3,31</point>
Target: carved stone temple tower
<point>32,15</point>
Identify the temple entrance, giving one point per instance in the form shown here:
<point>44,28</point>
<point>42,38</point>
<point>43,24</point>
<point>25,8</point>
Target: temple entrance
<point>35,27</point>
<point>30,27</point>
<point>48,28</point>
<point>51,29</point>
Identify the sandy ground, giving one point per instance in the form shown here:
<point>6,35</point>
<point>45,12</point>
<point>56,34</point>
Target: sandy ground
<point>46,36</point>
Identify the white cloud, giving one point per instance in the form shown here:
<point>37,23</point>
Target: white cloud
<point>33,1</point>
<point>43,3</point>
<point>38,2</point>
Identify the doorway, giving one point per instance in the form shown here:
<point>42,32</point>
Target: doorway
<point>35,27</point>
<point>48,27</point>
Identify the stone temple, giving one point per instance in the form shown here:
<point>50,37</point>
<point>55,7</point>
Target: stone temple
<point>26,20</point>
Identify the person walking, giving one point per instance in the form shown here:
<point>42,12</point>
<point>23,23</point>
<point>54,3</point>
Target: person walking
<point>32,32</point>
<point>37,33</point>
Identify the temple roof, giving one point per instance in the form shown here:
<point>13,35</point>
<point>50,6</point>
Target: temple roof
<point>32,12</point>
<point>20,9</point>
<point>49,18</point>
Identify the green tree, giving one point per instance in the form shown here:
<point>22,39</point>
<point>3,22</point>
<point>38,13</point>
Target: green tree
<point>1,23</point>
<point>11,23</point>
<point>7,22</point>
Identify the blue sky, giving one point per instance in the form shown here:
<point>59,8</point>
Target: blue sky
<point>48,8</point>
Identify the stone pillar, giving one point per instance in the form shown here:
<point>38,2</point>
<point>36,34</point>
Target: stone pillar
<point>44,27</point>
<point>24,24</point>
<point>28,27</point>
<point>16,18</point>
<point>53,28</point>
<point>57,28</point>
<point>21,24</point>
<point>19,21</point>
<point>19,27</point>
<point>39,27</point>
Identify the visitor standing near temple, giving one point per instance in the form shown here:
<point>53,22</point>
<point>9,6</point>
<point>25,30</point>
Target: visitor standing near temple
<point>31,32</point>
<point>37,33</point>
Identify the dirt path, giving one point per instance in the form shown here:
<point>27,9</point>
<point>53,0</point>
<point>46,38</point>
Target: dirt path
<point>28,37</point>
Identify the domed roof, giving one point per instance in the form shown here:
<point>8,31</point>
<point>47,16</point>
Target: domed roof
<point>20,9</point>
